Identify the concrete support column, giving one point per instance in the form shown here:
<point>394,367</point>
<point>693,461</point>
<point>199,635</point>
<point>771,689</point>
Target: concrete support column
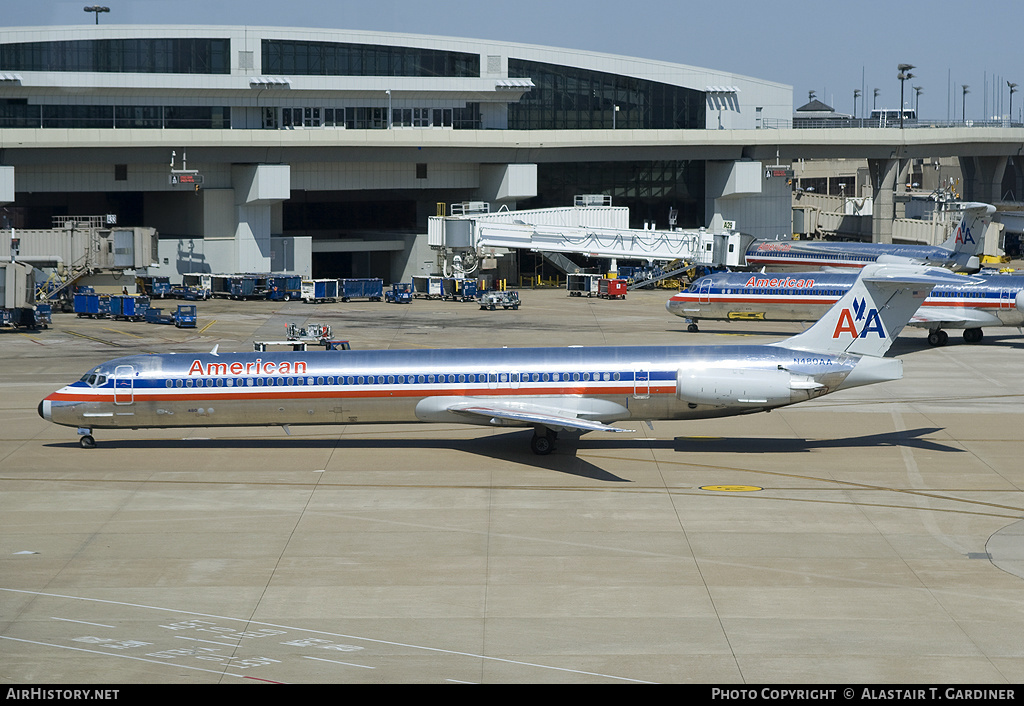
<point>506,183</point>
<point>900,201</point>
<point>883,173</point>
<point>983,178</point>
<point>258,189</point>
<point>6,185</point>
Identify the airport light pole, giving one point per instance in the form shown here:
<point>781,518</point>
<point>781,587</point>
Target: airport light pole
<point>963,102</point>
<point>97,9</point>
<point>903,75</point>
<point>917,100</point>
<point>1013,89</point>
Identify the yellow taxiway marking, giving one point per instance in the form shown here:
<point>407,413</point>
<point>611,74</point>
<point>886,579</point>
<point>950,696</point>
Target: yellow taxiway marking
<point>203,329</point>
<point>125,333</point>
<point>93,338</point>
<point>732,488</point>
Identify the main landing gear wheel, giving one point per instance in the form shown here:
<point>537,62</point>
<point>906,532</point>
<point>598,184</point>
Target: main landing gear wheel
<point>87,442</point>
<point>542,444</point>
<point>973,335</point>
<point>692,328</point>
<point>939,338</point>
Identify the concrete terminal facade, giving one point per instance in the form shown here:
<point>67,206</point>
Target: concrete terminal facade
<point>323,152</point>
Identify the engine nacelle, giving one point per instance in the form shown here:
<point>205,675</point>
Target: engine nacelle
<point>736,388</point>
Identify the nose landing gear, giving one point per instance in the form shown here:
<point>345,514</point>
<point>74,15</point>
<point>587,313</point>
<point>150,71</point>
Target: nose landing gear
<point>85,438</point>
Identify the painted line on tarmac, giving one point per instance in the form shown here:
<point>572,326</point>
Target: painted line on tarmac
<point>93,338</point>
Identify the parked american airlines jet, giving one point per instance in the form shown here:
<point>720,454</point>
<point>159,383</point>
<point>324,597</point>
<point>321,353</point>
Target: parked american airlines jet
<point>959,252</point>
<point>573,389</point>
<point>969,303</point>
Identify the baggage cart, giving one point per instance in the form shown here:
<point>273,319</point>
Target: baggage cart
<point>427,286</point>
<point>459,289</point>
<point>92,305</point>
<point>612,289</point>
<point>371,289</point>
<point>128,308</point>
<point>319,290</point>
<point>582,285</point>
<point>506,300</point>
<point>157,316</point>
<point>284,287</point>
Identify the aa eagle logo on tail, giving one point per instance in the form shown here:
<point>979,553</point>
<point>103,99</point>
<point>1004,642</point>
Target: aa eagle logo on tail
<point>859,322</point>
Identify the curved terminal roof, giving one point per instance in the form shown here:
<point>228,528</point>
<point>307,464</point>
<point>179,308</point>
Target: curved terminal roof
<point>733,101</point>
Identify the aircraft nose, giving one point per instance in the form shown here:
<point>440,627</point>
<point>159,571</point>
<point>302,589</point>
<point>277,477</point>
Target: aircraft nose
<point>44,410</point>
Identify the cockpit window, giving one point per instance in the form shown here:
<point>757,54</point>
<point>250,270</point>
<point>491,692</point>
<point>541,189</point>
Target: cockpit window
<point>94,379</point>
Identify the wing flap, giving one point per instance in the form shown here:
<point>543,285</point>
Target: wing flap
<point>952,317</point>
<point>552,419</point>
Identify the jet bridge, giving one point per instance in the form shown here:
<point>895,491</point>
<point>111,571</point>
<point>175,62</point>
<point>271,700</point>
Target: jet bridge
<point>473,233</point>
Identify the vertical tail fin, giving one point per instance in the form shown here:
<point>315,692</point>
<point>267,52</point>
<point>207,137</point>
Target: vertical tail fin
<point>968,237</point>
<point>867,319</point>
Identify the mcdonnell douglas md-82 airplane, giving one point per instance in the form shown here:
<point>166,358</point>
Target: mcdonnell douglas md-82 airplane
<point>576,389</point>
<point>959,252</point>
<point>969,303</point>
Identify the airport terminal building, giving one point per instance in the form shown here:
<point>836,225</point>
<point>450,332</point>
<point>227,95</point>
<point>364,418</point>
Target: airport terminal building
<point>323,152</point>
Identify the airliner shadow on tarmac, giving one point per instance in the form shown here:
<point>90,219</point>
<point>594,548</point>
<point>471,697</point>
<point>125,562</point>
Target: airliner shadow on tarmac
<point>498,447</point>
<point>508,447</point>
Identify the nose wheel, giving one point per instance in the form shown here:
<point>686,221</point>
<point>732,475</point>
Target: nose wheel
<point>85,439</point>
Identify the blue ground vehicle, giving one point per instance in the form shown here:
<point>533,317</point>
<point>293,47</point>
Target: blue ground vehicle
<point>400,293</point>
<point>184,317</point>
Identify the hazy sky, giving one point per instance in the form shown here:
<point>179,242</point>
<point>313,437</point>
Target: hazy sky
<point>830,48</point>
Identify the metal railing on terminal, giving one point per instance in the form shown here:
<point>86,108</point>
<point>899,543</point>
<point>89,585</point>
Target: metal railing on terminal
<point>834,123</point>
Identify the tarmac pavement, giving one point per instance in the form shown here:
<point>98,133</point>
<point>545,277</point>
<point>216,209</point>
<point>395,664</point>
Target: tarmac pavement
<point>872,536</point>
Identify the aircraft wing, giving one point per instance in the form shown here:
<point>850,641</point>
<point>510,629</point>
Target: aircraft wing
<point>493,412</point>
<point>950,317</point>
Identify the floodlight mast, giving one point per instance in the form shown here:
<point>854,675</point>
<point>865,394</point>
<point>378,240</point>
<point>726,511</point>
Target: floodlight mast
<point>903,75</point>
<point>97,9</point>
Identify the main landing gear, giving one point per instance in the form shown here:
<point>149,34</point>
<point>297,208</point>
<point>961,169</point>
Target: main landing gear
<point>543,441</point>
<point>938,337</point>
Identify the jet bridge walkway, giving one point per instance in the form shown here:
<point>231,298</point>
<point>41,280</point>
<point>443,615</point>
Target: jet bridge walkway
<point>594,231</point>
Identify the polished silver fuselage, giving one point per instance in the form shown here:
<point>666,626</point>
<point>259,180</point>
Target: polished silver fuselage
<point>346,387</point>
<point>993,300</point>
